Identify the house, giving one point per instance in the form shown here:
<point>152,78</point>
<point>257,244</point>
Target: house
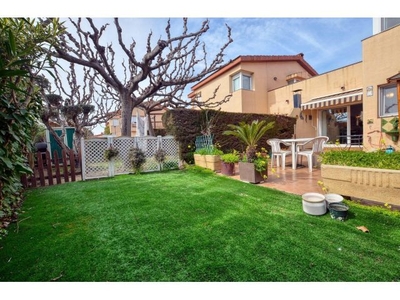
<point>139,121</point>
<point>356,105</point>
<point>249,78</point>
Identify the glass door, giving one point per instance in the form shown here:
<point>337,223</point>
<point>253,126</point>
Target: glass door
<point>342,124</point>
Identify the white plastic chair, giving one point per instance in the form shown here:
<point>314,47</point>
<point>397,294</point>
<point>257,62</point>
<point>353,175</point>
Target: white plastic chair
<point>277,152</point>
<point>315,147</point>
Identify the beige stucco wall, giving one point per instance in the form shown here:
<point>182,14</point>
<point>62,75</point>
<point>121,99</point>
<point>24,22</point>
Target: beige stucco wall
<point>272,95</point>
<point>254,101</point>
<point>349,77</point>
<point>381,60</point>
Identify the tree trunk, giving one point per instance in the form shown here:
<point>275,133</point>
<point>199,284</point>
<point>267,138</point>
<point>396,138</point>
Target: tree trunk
<point>57,138</point>
<point>150,124</point>
<point>126,115</point>
<point>78,138</point>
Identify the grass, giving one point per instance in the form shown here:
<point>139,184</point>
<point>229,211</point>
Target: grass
<point>192,226</point>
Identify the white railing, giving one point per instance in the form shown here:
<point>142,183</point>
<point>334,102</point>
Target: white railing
<point>96,165</point>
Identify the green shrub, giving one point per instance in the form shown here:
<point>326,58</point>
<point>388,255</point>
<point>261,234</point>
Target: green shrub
<point>111,152</point>
<point>137,157</point>
<point>160,155</point>
<point>186,124</point>
<point>230,157</point>
<point>378,159</point>
<point>209,151</point>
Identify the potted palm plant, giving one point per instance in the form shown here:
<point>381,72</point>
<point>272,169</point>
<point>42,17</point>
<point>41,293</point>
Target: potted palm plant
<point>254,166</point>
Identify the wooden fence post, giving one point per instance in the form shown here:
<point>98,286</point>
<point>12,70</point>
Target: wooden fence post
<point>65,166</point>
<point>49,169</point>
<point>40,168</point>
<point>72,164</point>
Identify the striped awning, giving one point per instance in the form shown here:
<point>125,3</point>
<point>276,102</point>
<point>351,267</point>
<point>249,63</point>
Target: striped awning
<point>333,100</point>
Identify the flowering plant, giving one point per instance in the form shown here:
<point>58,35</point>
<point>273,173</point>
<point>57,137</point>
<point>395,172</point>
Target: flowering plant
<point>261,160</point>
<point>111,152</point>
<point>160,155</point>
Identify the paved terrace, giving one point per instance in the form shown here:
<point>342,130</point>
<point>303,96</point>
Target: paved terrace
<point>297,181</point>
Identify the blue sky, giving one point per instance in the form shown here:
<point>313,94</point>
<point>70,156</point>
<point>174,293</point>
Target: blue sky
<point>329,36</point>
<point>328,33</point>
<point>327,43</point>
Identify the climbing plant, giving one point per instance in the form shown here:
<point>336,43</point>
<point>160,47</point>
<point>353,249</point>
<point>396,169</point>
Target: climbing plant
<point>23,47</point>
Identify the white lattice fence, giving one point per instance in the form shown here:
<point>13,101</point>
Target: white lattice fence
<point>95,165</point>
<point>171,148</point>
<point>121,162</point>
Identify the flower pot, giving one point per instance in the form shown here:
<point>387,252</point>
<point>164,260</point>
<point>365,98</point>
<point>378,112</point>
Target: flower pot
<point>314,204</point>
<point>333,198</point>
<point>228,168</point>
<point>41,147</point>
<point>338,211</point>
<point>248,173</point>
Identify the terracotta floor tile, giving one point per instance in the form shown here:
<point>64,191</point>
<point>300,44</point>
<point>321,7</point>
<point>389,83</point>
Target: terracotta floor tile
<point>298,181</point>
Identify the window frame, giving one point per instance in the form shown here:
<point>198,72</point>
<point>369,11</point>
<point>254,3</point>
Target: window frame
<point>241,76</point>
<point>383,91</point>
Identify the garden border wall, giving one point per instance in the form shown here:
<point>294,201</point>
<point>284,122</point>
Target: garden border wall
<point>379,185</point>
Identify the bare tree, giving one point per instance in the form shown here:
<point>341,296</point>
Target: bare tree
<point>51,105</point>
<point>161,75</point>
<point>88,101</point>
<point>174,102</point>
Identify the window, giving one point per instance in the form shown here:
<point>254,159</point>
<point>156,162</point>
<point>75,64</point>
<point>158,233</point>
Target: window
<point>389,23</point>
<point>388,101</point>
<point>241,81</point>
<point>197,97</point>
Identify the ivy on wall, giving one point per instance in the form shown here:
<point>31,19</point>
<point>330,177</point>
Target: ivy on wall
<point>186,124</point>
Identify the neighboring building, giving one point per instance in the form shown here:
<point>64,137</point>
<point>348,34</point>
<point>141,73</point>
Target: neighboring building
<point>356,104</point>
<point>249,78</point>
<point>139,119</point>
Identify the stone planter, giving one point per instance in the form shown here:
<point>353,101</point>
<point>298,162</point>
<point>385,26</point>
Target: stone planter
<point>248,173</point>
<point>378,185</point>
<point>227,168</point>
<point>200,160</point>
<point>213,162</point>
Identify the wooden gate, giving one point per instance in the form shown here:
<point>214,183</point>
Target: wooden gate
<point>49,171</point>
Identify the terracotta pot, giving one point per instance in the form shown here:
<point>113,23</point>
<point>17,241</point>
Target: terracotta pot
<point>228,168</point>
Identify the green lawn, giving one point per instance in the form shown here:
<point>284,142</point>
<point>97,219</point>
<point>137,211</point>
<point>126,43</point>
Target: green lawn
<point>192,226</point>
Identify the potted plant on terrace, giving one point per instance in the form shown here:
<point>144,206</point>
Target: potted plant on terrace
<point>208,158</point>
<point>254,165</point>
<point>228,161</point>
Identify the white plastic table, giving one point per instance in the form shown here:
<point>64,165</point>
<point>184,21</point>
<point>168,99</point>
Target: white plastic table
<point>294,142</point>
